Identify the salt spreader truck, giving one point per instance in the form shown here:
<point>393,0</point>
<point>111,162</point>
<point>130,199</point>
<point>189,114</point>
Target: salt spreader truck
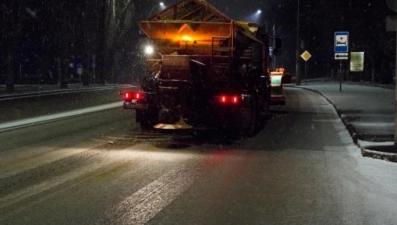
<point>204,70</point>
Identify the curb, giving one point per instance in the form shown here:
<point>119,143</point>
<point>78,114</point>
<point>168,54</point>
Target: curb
<point>384,152</point>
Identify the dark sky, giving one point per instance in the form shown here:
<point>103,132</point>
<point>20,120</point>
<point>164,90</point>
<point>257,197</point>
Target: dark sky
<point>319,19</point>
<point>236,9</point>
<point>241,9</point>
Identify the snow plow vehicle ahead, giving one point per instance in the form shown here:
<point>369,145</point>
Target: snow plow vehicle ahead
<point>204,70</point>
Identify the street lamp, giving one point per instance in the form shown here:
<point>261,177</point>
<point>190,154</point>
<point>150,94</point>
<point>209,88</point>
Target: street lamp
<point>161,5</point>
<point>269,17</point>
<point>255,16</point>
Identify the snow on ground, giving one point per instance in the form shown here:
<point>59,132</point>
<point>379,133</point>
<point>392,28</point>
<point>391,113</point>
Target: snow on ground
<point>369,143</point>
<point>381,172</point>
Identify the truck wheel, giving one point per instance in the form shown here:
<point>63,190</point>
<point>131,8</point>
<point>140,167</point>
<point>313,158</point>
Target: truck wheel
<point>265,111</point>
<point>251,126</point>
<point>146,125</point>
<point>145,119</point>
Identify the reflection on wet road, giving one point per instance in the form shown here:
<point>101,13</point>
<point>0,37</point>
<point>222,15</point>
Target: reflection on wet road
<point>100,168</point>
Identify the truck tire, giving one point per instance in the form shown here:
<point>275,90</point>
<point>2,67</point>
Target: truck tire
<point>252,122</point>
<point>265,111</point>
<point>146,125</point>
<point>145,119</point>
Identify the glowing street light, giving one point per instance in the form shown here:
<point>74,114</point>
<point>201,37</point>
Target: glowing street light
<point>161,5</point>
<point>255,16</point>
<point>149,50</point>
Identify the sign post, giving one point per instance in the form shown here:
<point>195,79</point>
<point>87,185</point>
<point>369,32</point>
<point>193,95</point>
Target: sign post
<point>341,48</point>
<point>306,56</point>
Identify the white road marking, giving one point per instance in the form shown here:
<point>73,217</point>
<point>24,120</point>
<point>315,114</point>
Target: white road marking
<point>144,204</point>
<point>43,119</point>
<point>27,192</point>
<point>34,162</point>
<point>327,120</point>
<point>20,195</point>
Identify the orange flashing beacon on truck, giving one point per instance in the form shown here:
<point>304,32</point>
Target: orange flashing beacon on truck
<point>277,92</point>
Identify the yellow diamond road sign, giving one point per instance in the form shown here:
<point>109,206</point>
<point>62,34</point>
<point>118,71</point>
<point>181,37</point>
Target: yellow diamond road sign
<point>306,55</point>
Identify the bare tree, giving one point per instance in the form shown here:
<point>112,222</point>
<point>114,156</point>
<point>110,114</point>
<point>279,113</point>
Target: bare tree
<point>11,34</point>
<point>118,23</point>
<point>94,30</point>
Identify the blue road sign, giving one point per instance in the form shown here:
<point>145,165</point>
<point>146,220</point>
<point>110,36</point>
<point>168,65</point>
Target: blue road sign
<point>341,41</point>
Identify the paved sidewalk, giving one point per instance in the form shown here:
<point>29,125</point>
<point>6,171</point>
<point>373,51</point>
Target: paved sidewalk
<point>367,111</point>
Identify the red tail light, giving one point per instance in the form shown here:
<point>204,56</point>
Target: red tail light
<point>137,96</point>
<point>128,96</point>
<point>235,99</point>
<point>225,99</point>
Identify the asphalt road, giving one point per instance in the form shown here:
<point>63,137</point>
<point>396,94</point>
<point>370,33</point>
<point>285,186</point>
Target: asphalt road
<point>100,168</point>
<point>41,104</point>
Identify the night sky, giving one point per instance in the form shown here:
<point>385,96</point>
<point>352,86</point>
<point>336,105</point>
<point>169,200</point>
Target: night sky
<point>319,19</point>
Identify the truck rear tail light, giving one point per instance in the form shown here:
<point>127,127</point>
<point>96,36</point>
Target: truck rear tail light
<point>137,96</point>
<point>226,99</point>
<point>223,99</point>
<point>235,99</point>
<point>129,96</point>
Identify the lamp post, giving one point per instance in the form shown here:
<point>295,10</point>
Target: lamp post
<point>270,17</point>
<point>161,5</point>
<point>274,46</point>
<point>297,73</point>
<point>273,30</point>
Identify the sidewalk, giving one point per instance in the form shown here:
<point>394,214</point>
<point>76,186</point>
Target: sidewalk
<point>367,111</point>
